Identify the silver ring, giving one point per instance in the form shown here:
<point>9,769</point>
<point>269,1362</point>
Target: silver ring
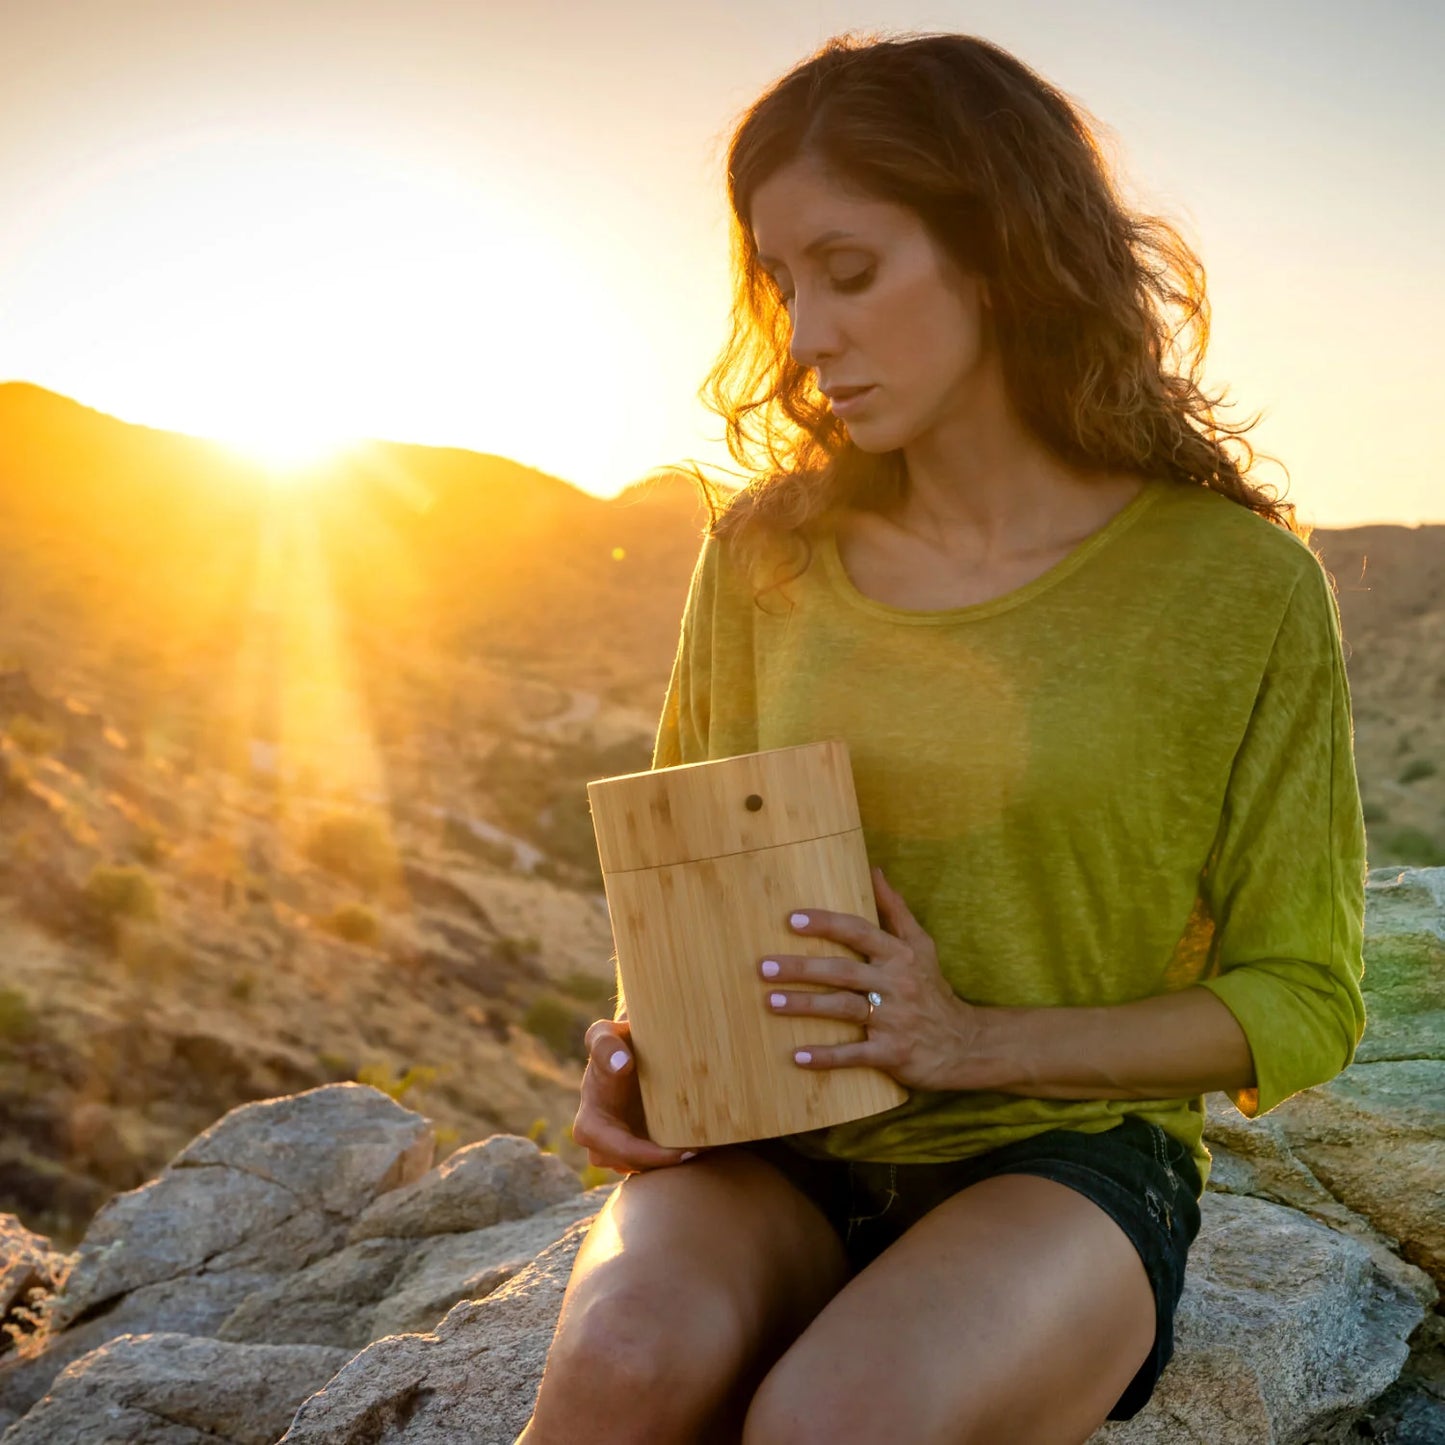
<point>875,1000</point>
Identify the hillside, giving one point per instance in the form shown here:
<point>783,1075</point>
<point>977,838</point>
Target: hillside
<point>292,785</point>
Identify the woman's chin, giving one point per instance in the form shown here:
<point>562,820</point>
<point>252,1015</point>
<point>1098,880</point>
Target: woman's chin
<point>872,438</point>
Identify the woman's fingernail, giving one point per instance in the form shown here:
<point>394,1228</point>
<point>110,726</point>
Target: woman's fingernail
<point>691,1154</point>
<point>770,968</point>
<point>618,1060</point>
<point>799,920</point>
<point>803,1056</point>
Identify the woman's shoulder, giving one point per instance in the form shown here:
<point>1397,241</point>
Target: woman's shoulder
<point>1241,544</point>
<point>1261,579</point>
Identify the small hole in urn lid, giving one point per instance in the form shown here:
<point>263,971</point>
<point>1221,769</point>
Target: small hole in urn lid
<point>754,802</point>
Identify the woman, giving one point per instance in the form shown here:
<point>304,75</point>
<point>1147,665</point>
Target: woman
<point>1091,682</point>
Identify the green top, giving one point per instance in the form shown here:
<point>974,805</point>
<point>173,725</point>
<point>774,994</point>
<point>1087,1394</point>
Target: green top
<point>1133,775</point>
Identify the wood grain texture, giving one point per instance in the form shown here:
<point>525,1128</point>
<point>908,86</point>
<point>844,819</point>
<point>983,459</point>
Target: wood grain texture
<point>702,864</point>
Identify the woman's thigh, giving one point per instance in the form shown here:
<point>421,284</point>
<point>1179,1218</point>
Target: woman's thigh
<point>1016,1310</point>
<point>695,1277</point>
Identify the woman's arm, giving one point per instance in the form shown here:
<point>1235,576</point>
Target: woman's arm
<point>1170,1047</point>
<point>1285,886</point>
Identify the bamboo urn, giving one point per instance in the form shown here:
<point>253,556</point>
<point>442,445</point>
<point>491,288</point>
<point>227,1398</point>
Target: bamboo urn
<point>702,864</point>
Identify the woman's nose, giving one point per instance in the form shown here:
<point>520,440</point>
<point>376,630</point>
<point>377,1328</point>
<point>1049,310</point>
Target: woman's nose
<point>815,336</point>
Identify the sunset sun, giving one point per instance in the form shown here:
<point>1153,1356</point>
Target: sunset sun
<point>288,452</point>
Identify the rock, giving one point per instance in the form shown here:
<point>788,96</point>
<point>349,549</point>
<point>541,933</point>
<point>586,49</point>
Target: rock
<point>272,1184</point>
<point>473,1378</point>
<point>170,1389</point>
<point>266,1190</point>
<point>1373,1113</point>
<point>457,1267</point>
<point>1286,1330</point>
<point>424,1301</point>
<point>385,1286</point>
<point>1404,981</point>
<point>504,1177</point>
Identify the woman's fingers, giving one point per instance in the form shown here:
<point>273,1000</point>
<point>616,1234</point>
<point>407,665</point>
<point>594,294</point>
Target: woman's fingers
<point>610,1123</point>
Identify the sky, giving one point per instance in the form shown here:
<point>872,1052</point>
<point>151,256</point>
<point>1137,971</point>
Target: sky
<point>502,226</point>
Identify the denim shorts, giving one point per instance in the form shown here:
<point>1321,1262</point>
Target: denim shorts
<point>1142,1176</point>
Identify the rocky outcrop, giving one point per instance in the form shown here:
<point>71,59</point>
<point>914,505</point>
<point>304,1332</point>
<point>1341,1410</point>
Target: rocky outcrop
<point>300,1273</point>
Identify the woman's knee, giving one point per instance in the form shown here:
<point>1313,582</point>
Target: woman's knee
<point>636,1336</point>
<point>684,1284</point>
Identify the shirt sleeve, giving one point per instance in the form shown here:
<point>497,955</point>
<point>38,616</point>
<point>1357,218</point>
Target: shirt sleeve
<point>682,729</point>
<point>1286,878</point>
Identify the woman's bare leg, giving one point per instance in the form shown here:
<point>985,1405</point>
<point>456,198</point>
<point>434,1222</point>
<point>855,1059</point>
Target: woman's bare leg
<point>691,1282</point>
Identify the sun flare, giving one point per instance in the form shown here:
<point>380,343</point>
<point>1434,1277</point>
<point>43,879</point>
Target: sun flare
<point>288,453</point>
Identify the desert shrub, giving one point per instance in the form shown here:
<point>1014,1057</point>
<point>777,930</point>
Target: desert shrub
<point>17,1018</point>
<point>538,1135</point>
<point>354,846</point>
<point>242,988</point>
<point>1412,847</point>
<point>147,953</point>
<point>150,846</point>
<point>380,1076</point>
<point>29,1322</point>
<point>354,922</point>
<point>498,1018</point>
<point>515,949</point>
<point>113,893</point>
<point>559,1023</point>
<point>33,736</point>
<point>591,989</point>
<point>570,834</point>
<point>1418,768</point>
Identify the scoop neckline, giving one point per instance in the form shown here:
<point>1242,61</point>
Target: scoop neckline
<point>1120,522</point>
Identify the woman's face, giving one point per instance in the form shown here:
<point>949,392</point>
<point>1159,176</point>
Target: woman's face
<point>879,304</point>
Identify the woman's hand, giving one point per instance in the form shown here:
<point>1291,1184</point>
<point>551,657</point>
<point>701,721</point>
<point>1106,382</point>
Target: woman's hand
<point>920,1033</point>
<point>609,1122</point>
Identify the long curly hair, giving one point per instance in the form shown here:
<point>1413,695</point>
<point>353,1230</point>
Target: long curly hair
<point>1100,311</point>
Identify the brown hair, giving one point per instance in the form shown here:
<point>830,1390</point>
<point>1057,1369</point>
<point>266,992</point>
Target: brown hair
<point>1101,315</point>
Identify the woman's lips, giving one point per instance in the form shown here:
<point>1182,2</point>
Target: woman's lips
<point>842,405</point>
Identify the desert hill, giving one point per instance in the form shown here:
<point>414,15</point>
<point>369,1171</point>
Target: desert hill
<point>292,784</point>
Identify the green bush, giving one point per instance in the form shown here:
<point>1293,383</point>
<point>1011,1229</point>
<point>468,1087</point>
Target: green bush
<point>148,954</point>
<point>380,1076</point>
<point>1418,768</point>
<point>1375,812</point>
<point>559,1024</point>
<point>353,846</point>
<point>17,1018</point>
<point>1412,847</point>
<point>514,949</point>
<point>115,892</point>
<point>354,922</point>
<point>150,846</point>
<point>592,989</point>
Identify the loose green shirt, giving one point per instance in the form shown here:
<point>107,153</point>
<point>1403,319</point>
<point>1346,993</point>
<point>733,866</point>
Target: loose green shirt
<point>1133,775</point>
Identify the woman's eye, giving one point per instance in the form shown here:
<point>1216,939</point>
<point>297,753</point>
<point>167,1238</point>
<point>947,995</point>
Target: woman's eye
<point>846,284</point>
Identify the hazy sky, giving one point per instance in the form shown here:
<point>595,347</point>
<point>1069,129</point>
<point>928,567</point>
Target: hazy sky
<point>501,226</point>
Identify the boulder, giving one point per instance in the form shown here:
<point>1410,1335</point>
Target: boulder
<point>172,1389</point>
<point>299,1273</point>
